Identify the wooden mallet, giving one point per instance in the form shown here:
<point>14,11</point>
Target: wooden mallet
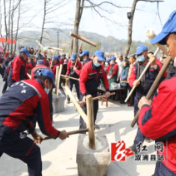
<point>70,133</point>
<point>96,98</point>
<point>41,46</point>
<point>83,39</point>
<point>56,49</point>
<point>151,34</point>
<point>64,76</point>
<point>140,77</point>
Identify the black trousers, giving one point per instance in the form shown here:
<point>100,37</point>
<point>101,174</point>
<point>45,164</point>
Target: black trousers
<point>50,97</point>
<point>5,85</point>
<point>76,83</point>
<point>23,149</point>
<point>60,87</point>
<point>123,93</point>
<point>162,170</point>
<point>131,99</point>
<point>139,136</point>
<point>82,124</point>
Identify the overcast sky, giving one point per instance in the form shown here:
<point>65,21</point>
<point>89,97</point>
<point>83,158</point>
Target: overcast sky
<point>145,18</point>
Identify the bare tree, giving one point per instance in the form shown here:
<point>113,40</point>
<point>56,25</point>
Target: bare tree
<point>130,25</point>
<point>43,24</point>
<point>12,15</point>
<point>78,15</point>
<point>9,21</point>
<point>18,20</point>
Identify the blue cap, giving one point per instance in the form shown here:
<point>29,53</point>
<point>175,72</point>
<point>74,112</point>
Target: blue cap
<point>140,49</point>
<point>168,28</point>
<point>59,56</point>
<point>100,55</point>
<point>55,58</point>
<point>112,58</point>
<point>40,62</point>
<point>62,58</point>
<point>46,72</point>
<point>74,56</point>
<point>108,60</point>
<point>37,56</point>
<point>24,50</point>
<point>85,52</point>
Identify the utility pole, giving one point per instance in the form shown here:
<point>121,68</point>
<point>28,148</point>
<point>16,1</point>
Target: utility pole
<point>58,38</point>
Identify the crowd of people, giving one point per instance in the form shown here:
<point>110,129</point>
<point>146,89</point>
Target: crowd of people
<point>30,79</point>
<point>119,69</point>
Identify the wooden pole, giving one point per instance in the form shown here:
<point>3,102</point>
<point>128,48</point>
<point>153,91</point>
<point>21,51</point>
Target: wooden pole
<point>77,106</point>
<point>70,133</point>
<point>56,81</point>
<point>153,87</point>
<point>142,74</point>
<point>57,49</point>
<point>90,117</point>
<point>96,98</point>
<point>83,39</point>
<point>29,75</point>
<point>41,46</point>
<point>70,77</point>
<point>58,78</point>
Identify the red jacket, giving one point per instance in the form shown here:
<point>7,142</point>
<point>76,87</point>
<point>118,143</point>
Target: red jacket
<point>35,69</point>
<point>19,69</point>
<point>44,60</point>
<point>54,67</point>
<point>114,68</point>
<point>158,121</point>
<point>29,65</point>
<point>84,62</point>
<point>61,61</point>
<point>70,69</point>
<point>90,78</point>
<point>160,65</point>
<point>24,103</point>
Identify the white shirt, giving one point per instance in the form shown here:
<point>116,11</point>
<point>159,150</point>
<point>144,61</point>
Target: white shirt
<point>120,67</point>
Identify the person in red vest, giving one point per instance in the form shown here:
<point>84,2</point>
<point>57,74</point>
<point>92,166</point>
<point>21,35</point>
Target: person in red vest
<point>61,60</point>
<point>72,67</point>
<point>21,107</point>
<point>85,56</point>
<point>18,70</point>
<point>91,74</point>
<point>56,63</point>
<point>157,118</point>
<point>112,70</point>
<point>40,65</point>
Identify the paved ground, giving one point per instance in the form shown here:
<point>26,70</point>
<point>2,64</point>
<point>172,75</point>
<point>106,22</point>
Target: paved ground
<point>59,157</point>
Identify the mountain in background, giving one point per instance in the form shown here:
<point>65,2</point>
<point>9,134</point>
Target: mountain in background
<point>107,44</point>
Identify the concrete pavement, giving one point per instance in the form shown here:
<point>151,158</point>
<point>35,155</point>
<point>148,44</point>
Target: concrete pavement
<point>59,157</point>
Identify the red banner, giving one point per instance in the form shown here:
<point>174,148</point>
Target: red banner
<point>3,40</point>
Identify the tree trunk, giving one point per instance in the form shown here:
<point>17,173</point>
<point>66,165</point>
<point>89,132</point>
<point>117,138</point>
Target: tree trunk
<point>16,36</point>
<point>9,22</point>
<point>5,21</point>
<point>78,15</point>
<point>12,15</point>
<point>44,15</point>
<point>130,27</point>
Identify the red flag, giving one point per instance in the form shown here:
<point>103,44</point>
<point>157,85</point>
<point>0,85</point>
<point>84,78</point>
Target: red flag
<point>3,40</point>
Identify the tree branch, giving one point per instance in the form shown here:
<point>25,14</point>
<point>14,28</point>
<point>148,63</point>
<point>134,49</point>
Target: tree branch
<point>105,2</point>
